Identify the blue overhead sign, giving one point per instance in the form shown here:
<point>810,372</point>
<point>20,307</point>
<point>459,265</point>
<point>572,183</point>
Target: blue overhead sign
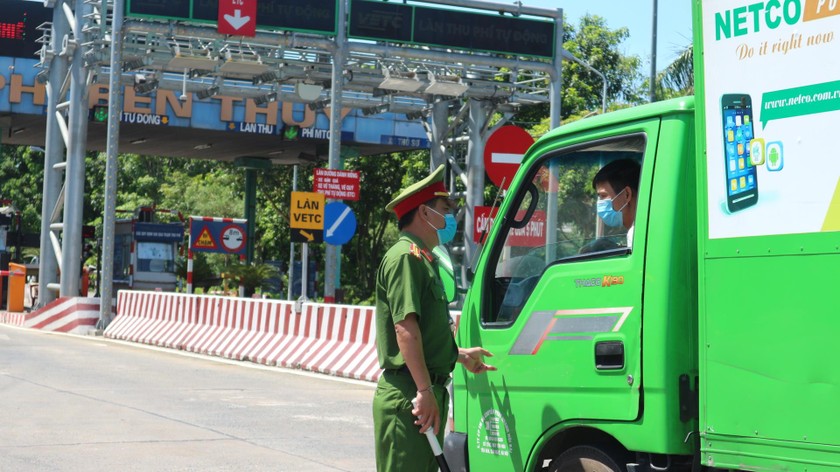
<point>21,93</point>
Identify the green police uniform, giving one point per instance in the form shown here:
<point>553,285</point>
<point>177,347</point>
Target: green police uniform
<point>407,282</point>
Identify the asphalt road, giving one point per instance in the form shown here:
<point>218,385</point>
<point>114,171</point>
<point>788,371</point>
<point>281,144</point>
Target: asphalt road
<point>70,403</point>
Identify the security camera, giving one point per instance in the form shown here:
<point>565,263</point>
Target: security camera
<point>183,97</point>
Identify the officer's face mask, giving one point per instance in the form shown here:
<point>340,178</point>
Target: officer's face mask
<point>447,233</point>
<point>608,214</point>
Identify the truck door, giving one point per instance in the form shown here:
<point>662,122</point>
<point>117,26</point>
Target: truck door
<point>558,300</point>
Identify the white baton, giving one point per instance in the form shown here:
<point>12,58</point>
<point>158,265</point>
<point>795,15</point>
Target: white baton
<point>435,445</point>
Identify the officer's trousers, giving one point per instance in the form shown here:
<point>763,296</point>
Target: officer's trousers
<point>399,445</point>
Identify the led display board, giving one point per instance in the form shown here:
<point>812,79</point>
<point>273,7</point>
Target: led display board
<point>18,27</point>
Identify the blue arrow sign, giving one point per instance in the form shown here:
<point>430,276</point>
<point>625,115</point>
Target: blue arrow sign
<point>339,223</point>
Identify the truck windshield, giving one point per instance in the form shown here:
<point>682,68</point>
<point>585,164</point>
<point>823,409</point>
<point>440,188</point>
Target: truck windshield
<point>556,218</point>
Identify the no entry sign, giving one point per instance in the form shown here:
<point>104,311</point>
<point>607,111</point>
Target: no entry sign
<point>503,153</point>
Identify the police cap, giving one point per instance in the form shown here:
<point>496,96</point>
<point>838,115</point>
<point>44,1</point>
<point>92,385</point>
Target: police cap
<point>419,193</point>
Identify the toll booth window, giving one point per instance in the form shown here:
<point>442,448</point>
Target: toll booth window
<point>155,257</point>
<point>579,205</point>
<point>122,256</point>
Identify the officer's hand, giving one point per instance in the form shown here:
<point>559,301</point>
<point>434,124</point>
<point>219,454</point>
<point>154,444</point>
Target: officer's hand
<point>426,411</point>
<point>473,359</point>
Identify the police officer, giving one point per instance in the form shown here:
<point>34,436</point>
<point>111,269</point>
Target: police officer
<point>414,342</point>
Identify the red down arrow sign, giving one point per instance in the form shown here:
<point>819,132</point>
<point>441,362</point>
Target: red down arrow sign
<point>238,17</point>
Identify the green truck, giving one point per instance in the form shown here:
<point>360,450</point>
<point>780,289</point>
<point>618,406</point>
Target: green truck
<point>700,329</point>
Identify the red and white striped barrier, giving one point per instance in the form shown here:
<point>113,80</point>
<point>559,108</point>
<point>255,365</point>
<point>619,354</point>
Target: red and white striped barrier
<point>11,318</point>
<point>346,347</point>
<point>76,315</point>
<point>333,339</point>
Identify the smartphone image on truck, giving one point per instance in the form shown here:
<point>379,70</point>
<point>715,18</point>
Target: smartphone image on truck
<point>741,176</point>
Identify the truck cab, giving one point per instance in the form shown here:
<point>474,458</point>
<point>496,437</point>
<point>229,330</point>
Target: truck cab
<point>591,326</point>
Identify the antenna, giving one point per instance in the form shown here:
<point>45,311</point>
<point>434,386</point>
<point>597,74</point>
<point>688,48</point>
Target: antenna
<point>486,230</point>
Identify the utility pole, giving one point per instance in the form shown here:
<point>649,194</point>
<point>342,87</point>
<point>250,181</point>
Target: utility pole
<point>653,55</point>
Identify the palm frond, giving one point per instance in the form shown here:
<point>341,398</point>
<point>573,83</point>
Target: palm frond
<point>679,75</point>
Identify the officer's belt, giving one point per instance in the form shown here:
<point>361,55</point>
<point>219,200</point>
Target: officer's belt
<point>437,379</point>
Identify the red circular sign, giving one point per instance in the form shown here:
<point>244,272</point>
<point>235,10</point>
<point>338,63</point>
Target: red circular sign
<point>233,238</point>
<point>503,152</point>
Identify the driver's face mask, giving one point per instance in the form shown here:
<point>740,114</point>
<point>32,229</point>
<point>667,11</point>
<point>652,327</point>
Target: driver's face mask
<point>608,214</point>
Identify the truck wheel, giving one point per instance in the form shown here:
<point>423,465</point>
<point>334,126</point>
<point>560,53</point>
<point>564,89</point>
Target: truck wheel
<point>584,459</point>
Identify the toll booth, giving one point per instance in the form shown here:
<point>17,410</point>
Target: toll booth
<point>146,250</point>
<point>9,232</point>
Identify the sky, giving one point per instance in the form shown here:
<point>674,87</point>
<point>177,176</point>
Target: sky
<point>673,25</point>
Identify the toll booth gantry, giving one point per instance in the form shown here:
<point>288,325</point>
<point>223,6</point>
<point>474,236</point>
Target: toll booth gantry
<point>449,65</point>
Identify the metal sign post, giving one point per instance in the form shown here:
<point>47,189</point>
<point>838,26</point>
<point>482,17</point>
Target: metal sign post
<point>111,168</point>
<point>333,253</point>
<point>292,244</point>
<point>304,278</point>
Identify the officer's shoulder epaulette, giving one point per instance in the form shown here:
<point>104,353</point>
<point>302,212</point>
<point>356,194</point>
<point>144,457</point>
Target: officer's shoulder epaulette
<point>414,250</point>
<point>427,255</point>
<point>419,253</point>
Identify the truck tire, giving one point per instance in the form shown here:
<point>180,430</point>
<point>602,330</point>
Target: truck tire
<point>584,459</point>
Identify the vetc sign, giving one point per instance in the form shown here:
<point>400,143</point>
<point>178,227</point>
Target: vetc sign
<point>307,217</point>
<point>503,153</point>
<point>238,17</point>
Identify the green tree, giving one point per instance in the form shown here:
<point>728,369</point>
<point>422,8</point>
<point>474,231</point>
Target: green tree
<point>217,193</point>
<point>274,196</point>
<point>382,177</point>
<point>593,42</point>
<point>253,276</point>
<point>21,177</point>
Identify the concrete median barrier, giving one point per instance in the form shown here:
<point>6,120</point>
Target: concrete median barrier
<point>331,339</point>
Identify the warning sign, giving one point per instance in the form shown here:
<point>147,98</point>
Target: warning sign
<point>204,240</point>
<point>219,235</point>
<point>307,211</point>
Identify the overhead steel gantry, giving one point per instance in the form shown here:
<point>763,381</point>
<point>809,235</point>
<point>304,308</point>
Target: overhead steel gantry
<point>456,93</point>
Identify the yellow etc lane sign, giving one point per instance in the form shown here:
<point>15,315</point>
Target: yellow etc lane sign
<point>307,217</point>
